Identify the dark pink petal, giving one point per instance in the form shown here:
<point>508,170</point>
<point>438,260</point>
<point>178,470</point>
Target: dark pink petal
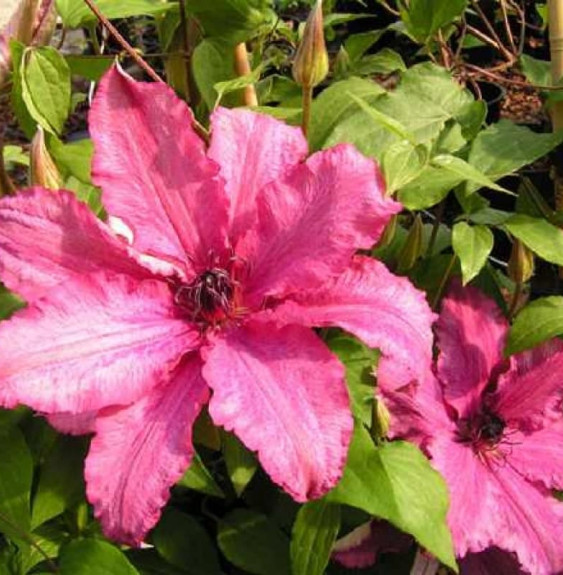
<point>93,342</point>
<point>140,451</point>
<point>283,393</point>
<point>531,389</point>
<point>49,237</point>
<point>361,547</point>
<point>493,561</point>
<point>383,310</point>
<point>471,332</point>
<point>533,522</point>
<point>73,424</point>
<point>153,170</point>
<point>538,456</point>
<point>253,150</point>
<point>475,515</point>
<point>312,221</point>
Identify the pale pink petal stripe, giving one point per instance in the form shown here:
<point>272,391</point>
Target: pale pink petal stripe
<point>311,222</point>
<point>283,394</point>
<point>533,522</point>
<point>253,150</point>
<point>140,451</point>
<point>471,332</point>
<point>530,392</point>
<point>153,170</point>
<point>50,237</point>
<point>93,342</point>
<point>474,516</point>
<point>383,310</point>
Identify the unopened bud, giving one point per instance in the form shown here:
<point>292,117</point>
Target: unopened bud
<point>389,233</point>
<point>382,418</point>
<point>310,66</point>
<point>521,263</point>
<point>342,64</point>
<point>43,171</point>
<point>413,247</point>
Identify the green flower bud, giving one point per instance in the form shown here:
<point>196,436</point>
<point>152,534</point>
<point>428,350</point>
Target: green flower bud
<point>43,171</point>
<point>521,263</point>
<point>412,249</point>
<point>310,66</point>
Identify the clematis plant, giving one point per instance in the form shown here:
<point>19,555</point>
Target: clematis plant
<point>233,254</point>
<point>494,429</point>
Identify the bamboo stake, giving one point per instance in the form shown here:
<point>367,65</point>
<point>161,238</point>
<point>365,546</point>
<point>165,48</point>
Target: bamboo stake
<point>556,46</point>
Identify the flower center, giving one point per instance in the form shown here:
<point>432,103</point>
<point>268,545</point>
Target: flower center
<point>483,431</point>
<point>208,298</point>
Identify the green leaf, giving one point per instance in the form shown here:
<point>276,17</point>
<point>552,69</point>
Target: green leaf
<point>213,63</point>
<point>89,67</point>
<point>75,13</point>
<point>402,163</point>
<point>356,45</point>
<point>16,472</point>
<point>241,463</point>
<point>252,542</point>
<point>504,147</point>
<point>60,480</point>
<point>184,543</point>
<point>429,188</point>
<point>9,303</point>
<point>359,361</point>
<point>237,84</point>
<point>385,61</point>
<point>472,245</point>
<point>466,171</point>
<point>49,538</point>
<point>313,535</point>
<point>396,482</point>
<point>536,71</point>
<point>232,20</point>
<point>540,236</point>
<point>94,557</point>
<point>335,105</point>
<point>423,18</point>
<point>197,477</point>
<point>46,87</point>
<point>15,155</point>
<point>537,322</point>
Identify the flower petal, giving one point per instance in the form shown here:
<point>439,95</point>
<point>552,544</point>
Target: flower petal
<point>283,393</point>
<point>253,150</point>
<point>538,456</point>
<point>73,424</point>
<point>533,523</point>
<point>50,237</point>
<point>153,170</point>
<point>471,332</point>
<point>140,451</point>
<point>383,310</point>
<point>312,221</point>
<point>531,389</point>
<point>93,342</point>
<point>493,561</point>
<point>474,516</point>
<point>361,547</point>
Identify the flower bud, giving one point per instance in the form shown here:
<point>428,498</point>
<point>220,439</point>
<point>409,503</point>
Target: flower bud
<point>32,23</point>
<point>342,64</point>
<point>43,171</point>
<point>412,249</point>
<point>521,263</point>
<point>310,66</point>
<point>389,233</point>
<point>382,418</point>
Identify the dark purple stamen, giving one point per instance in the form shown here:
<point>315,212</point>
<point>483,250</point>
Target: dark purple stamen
<point>484,430</point>
<point>208,297</point>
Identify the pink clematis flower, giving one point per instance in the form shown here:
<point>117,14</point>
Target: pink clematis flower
<point>237,251</point>
<point>494,429</point>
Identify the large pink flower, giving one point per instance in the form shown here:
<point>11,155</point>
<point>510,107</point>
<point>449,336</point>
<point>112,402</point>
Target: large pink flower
<point>236,251</point>
<point>494,429</point>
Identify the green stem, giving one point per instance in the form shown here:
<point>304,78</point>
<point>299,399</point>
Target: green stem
<point>307,103</point>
